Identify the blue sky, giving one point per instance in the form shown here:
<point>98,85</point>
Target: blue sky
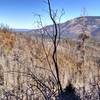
<point>20,13</point>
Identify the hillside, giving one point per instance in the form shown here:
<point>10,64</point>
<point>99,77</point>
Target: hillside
<point>23,63</point>
<point>73,28</point>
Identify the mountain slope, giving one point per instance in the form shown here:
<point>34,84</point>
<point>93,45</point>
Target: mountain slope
<point>73,28</point>
<point>90,23</point>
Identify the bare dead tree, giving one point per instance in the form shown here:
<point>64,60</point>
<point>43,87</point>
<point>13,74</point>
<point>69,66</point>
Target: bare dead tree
<point>54,56</point>
<point>55,39</point>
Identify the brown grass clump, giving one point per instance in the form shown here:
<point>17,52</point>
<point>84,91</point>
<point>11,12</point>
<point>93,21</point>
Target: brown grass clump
<point>7,40</point>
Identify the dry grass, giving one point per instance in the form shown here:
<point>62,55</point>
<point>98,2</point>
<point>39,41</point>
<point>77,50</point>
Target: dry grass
<point>29,55</point>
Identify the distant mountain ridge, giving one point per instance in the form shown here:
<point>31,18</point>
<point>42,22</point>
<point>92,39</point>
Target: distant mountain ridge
<point>22,30</point>
<point>73,28</point>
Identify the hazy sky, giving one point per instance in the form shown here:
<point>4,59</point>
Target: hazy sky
<point>18,13</point>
